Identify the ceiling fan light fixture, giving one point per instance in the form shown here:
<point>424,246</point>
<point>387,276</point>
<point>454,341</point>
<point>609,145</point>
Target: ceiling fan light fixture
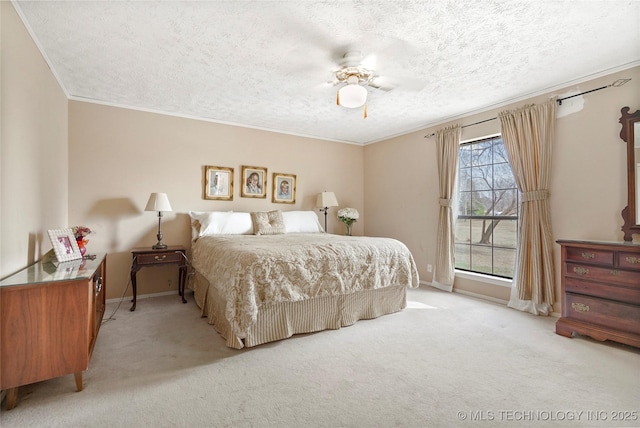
<point>352,95</point>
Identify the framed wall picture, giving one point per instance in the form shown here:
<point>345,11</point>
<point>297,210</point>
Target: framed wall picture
<point>64,245</point>
<point>284,188</point>
<point>254,182</point>
<point>218,183</point>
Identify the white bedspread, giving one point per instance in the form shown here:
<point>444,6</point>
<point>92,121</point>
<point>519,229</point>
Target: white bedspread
<point>251,272</point>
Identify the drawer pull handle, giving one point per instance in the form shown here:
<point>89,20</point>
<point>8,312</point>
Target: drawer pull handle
<point>581,271</point>
<point>614,272</point>
<point>160,258</point>
<point>580,307</point>
<point>632,260</point>
<point>588,256</point>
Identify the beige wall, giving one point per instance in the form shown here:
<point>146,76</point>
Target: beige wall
<point>68,163</point>
<point>588,181</point>
<point>118,156</point>
<point>33,148</point>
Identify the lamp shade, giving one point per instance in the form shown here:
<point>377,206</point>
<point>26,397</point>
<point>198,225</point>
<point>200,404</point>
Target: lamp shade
<point>352,95</point>
<point>158,202</point>
<point>326,199</point>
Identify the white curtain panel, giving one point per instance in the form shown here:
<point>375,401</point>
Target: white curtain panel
<point>448,144</point>
<point>528,135</point>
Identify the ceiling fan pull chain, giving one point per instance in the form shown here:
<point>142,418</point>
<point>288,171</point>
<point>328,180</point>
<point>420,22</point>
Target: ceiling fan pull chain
<point>338,98</point>
<point>364,113</point>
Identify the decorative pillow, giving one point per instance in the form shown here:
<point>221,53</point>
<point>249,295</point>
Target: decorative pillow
<point>267,223</point>
<point>301,222</point>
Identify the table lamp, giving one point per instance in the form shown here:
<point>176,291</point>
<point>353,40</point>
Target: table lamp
<point>159,202</point>
<point>326,200</point>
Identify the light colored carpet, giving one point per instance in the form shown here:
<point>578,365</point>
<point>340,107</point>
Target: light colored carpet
<point>447,360</point>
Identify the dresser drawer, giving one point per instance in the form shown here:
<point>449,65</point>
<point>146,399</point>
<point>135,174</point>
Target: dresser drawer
<point>588,255</point>
<point>629,261</point>
<point>604,274</point>
<point>607,291</point>
<point>607,313</point>
<point>153,259</point>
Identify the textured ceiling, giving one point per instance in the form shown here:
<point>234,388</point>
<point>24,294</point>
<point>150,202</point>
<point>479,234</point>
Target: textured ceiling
<point>267,64</point>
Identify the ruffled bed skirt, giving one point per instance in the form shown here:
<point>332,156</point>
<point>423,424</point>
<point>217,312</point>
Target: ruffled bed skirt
<point>283,320</point>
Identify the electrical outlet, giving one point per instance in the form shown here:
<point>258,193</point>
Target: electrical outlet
<point>429,268</point>
<point>170,283</point>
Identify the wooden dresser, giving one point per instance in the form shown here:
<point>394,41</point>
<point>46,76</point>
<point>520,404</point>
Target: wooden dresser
<point>50,317</point>
<point>601,290</point>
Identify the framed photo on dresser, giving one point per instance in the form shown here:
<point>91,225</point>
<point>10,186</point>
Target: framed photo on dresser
<point>64,245</point>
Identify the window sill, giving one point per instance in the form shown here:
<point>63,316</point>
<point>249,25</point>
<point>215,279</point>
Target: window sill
<point>487,279</point>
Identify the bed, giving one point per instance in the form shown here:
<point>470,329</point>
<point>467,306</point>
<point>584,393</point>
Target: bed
<point>262,277</point>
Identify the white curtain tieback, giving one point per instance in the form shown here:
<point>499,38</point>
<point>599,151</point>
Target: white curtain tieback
<point>535,195</point>
<point>445,202</point>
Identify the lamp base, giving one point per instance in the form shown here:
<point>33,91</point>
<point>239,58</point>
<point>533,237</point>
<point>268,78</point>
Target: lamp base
<point>325,209</point>
<point>160,245</point>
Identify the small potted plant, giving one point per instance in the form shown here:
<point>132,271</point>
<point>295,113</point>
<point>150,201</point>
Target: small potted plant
<point>348,216</point>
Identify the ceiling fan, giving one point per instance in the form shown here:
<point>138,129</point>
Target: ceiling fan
<point>355,74</point>
<point>354,77</point>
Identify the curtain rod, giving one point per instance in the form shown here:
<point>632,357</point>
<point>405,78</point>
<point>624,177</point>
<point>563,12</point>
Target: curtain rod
<point>616,84</point>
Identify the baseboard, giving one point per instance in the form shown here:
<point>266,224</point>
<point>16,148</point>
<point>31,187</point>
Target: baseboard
<point>483,297</point>
<point>471,294</point>
<point>455,290</point>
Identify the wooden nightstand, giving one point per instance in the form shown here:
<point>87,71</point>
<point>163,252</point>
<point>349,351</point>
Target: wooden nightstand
<point>144,257</point>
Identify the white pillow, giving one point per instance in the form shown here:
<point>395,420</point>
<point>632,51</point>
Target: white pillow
<point>238,224</point>
<point>205,223</point>
<point>301,222</point>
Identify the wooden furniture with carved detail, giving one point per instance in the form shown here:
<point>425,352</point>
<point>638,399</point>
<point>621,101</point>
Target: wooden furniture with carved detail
<point>601,290</point>
<point>50,317</point>
<point>143,257</point>
<point>630,134</point>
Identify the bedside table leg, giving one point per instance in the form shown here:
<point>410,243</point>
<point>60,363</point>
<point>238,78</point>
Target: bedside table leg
<point>181,282</point>
<point>134,286</point>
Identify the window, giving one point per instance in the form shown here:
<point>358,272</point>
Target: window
<point>488,209</point>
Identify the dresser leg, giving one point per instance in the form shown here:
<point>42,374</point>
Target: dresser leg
<point>12,398</point>
<point>563,330</point>
<point>78,376</point>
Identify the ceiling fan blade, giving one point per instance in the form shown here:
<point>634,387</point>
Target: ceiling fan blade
<point>396,51</point>
<point>369,62</point>
<point>413,84</point>
<point>383,84</point>
<point>391,58</point>
<point>405,84</point>
<point>326,85</point>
